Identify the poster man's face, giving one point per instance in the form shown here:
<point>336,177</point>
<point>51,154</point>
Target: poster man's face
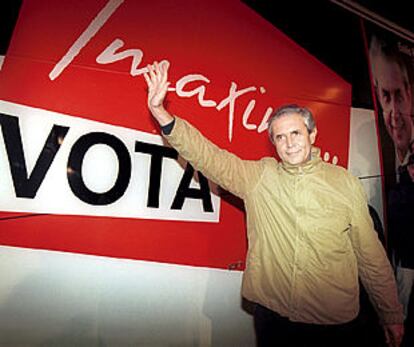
<point>292,139</point>
<point>396,102</point>
<point>410,169</point>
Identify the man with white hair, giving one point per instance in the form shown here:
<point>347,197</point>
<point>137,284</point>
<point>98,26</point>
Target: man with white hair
<point>390,72</point>
<point>309,230</point>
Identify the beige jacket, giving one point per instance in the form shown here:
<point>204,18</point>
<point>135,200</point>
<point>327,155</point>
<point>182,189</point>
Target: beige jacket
<point>309,233</point>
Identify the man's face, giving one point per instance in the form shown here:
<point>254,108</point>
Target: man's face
<point>395,100</point>
<point>292,139</point>
<point>410,169</point>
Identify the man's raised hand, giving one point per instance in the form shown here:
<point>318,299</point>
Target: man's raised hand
<point>157,81</point>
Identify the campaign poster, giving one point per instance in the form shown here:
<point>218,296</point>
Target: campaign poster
<point>391,61</point>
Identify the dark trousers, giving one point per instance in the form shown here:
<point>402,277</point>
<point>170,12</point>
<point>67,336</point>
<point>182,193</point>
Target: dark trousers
<point>277,331</point>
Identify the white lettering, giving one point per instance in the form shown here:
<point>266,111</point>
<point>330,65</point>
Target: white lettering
<point>199,91</point>
<point>246,115</point>
<point>96,24</point>
<point>264,124</point>
<point>112,54</point>
<point>230,100</point>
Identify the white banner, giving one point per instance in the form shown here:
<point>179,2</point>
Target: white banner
<point>61,164</point>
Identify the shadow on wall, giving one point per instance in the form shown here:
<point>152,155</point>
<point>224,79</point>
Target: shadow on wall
<point>33,310</point>
<point>230,315</point>
<point>79,331</point>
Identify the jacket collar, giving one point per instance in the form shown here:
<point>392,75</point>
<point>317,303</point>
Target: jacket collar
<point>308,167</point>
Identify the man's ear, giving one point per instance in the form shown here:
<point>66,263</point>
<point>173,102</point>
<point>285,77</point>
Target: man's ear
<point>312,135</point>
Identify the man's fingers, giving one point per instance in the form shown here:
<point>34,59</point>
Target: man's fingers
<point>164,65</point>
<point>151,72</point>
<point>164,73</point>
<point>148,80</point>
<point>157,81</point>
<point>164,88</point>
<point>157,71</point>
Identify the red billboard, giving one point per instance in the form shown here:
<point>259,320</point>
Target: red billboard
<point>82,165</point>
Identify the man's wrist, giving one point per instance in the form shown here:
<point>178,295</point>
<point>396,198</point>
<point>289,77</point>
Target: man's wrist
<point>161,115</point>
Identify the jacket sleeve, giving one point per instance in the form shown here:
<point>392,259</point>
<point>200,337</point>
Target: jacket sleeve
<point>222,167</point>
<point>373,265</point>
